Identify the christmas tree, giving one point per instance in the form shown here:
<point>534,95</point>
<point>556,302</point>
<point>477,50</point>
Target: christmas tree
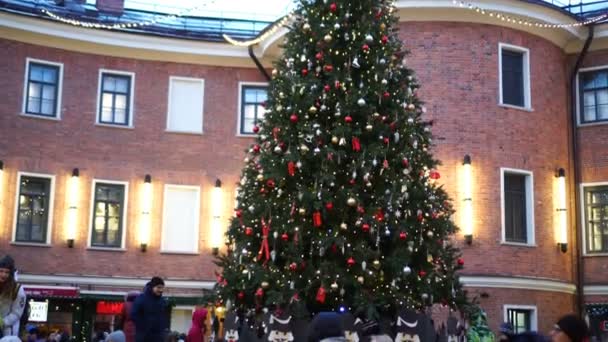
<point>338,204</point>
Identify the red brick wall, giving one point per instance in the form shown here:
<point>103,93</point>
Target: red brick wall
<point>55,147</point>
<point>457,64</point>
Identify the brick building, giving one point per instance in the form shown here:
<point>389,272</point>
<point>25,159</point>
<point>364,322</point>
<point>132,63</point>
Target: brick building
<point>100,161</point>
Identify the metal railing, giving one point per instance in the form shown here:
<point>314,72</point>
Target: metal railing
<point>582,8</point>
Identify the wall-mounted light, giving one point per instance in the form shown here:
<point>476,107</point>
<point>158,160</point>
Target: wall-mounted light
<point>216,214</point>
<point>562,211</point>
<point>146,213</point>
<point>1,178</point>
<point>467,205</point>
<point>72,202</point>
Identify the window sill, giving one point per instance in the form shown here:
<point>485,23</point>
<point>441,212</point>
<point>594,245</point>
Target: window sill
<point>518,244</point>
<point>591,255</point>
<point>183,132</point>
<point>107,249</point>
<point>245,135</point>
<point>179,252</point>
<point>31,244</point>
<point>588,124</point>
<point>34,116</point>
<point>525,109</point>
<point>113,126</point>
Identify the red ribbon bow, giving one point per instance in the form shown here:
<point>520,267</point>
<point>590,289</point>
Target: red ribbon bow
<point>291,168</point>
<point>264,249</point>
<point>356,144</point>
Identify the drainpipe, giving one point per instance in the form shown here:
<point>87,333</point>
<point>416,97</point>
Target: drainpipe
<point>257,63</point>
<point>576,175</point>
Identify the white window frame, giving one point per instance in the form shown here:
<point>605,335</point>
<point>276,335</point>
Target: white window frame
<point>526,70</point>
<point>583,216</point>
<point>198,220</point>
<point>578,94</point>
<point>92,214</point>
<point>131,97</point>
<point>170,91</point>
<point>529,206</point>
<point>240,103</point>
<point>57,117</point>
<point>49,224</point>
<point>533,316</point>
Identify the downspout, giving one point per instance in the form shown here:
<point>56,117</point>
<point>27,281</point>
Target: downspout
<point>576,174</point>
<point>257,63</point>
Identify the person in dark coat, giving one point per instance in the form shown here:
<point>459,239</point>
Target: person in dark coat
<point>570,328</point>
<point>150,313</point>
<point>128,325</point>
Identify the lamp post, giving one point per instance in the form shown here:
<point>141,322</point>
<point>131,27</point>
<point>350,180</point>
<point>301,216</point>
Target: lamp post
<point>216,213</point>
<point>146,211</point>
<point>72,214</point>
<point>467,208</point>
<point>562,211</point>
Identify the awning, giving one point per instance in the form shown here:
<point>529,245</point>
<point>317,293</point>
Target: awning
<point>51,291</point>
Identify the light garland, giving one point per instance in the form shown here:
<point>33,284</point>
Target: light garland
<point>526,22</point>
<point>262,37</point>
<point>89,24</point>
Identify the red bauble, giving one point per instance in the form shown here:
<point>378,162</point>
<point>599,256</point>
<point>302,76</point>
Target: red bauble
<point>379,215</point>
<point>270,183</point>
<point>329,68</point>
<point>256,148</point>
<point>256,129</point>
<point>393,126</point>
<point>284,236</point>
<point>259,293</point>
<point>333,7</point>
<point>239,213</point>
<point>405,162</point>
<point>293,267</point>
<point>365,227</point>
<point>434,174</point>
<point>351,181</point>
<point>422,273</point>
<point>319,55</point>
<point>293,118</point>
<point>360,210</point>
<point>241,295</point>
<point>350,262</point>
<point>402,235</point>
<point>337,84</point>
<point>248,231</point>
<point>348,119</point>
<point>460,261</point>
<point>316,219</point>
<point>386,94</point>
<point>329,205</point>
<point>291,168</point>
<point>365,47</point>
<point>304,72</point>
<point>386,141</point>
<point>321,295</point>
<point>327,88</point>
<point>384,39</point>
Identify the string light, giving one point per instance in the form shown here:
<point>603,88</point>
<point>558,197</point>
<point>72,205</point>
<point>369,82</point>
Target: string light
<point>523,22</point>
<point>117,26</point>
<point>263,36</point>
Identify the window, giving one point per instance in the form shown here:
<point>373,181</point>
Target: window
<point>593,96</point>
<point>181,219</point>
<point>34,208</point>
<point>517,206</point>
<point>108,219</point>
<point>514,69</point>
<point>596,219</point>
<point>522,318</point>
<point>115,98</point>
<point>42,94</point>
<point>185,105</point>
<point>251,97</point>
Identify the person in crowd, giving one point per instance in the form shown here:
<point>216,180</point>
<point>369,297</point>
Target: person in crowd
<point>116,336</point>
<point>505,332</point>
<point>149,313</point>
<point>570,328</point>
<point>10,339</point>
<point>198,329</point>
<point>128,325</point>
<point>12,298</point>
<point>326,327</point>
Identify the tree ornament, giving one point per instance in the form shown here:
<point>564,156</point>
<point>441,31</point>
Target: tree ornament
<point>385,140</point>
<point>285,236</point>
<point>251,209</point>
<point>293,267</point>
<point>336,26</point>
<point>376,264</point>
<point>365,227</point>
<point>382,26</point>
<point>351,201</point>
<point>350,262</point>
<point>329,206</point>
<point>270,183</point>
<point>402,235</point>
<point>365,48</point>
<point>265,284</point>
<point>460,261</point>
<point>434,174</point>
<point>343,226</point>
<point>248,231</point>
<point>302,211</point>
<point>256,148</point>
<point>241,295</point>
<point>333,7</point>
<point>334,140</point>
<point>386,95</point>
<point>293,118</point>
<point>429,234</point>
<point>327,38</point>
<point>334,286</point>
<point>304,72</point>
<point>239,213</point>
<point>306,26</point>
<point>356,63</point>
<point>328,68</point>
<point>348,119</point>
<point>384,39</point>
<point>321,295</point>
<point>259,293</point>
<point>369,39</point>
<point>304,148</point>
<point>407,270</point>
<point>356,144</point>
<point>256,129</point>
<point>361,102</point>
<point>369,128</point>
<point>342,142</point>
<point>316,219</point>
<point>360,279</point>
<point>422,273</point>
<point>291,168</point>
<point>319,56</point>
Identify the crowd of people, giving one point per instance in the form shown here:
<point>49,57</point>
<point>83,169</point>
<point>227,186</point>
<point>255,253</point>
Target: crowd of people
<point>145,320</point>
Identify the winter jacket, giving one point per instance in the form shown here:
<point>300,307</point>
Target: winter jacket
<point>11,310</point>
<point>198,328</point>
<point>128,325</point>
<point>149,313</point>
<point>116,336</point>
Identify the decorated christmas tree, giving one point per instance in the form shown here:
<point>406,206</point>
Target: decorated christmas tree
<point>339,206</point>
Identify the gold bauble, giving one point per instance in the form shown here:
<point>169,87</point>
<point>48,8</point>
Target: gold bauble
<point>260,177</point>
<point>376,263</point>
<point>343,225</point>
<point>351,201</point>
<point>302,211</point>
<point>265,284</point>
<point>334,286</point>
<point>334,139</point>
<point>327,38</point>
<point>312,109</point>
<point>369,128</point>
<point>360,279</point>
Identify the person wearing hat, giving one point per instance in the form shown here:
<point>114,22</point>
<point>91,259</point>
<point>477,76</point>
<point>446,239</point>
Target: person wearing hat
<point>326,327</point>
<point>12,298</point>
<point>570,328</point>
<point>149,313</point>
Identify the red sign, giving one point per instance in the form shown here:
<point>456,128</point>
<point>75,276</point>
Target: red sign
<point>51,291</point>
<point>604,325</point>
<point>109,308</point>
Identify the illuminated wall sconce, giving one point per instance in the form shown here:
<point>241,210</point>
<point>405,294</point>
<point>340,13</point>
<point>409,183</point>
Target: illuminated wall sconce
<point>146,212</point>
<point>1,178</point>
<point>72,215</point>
<point>467,208</point>
<point>562,211</point>
<point>216,215</point>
